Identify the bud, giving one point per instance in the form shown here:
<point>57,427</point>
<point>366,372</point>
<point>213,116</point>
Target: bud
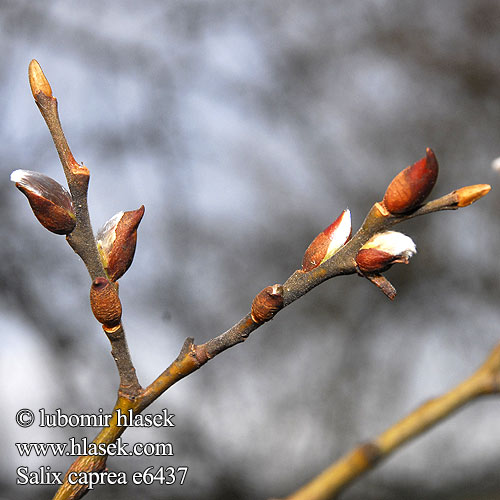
<point>38,82</point>
<point>328,242</point>
<point>267,303</point>
<point>383,250</point>
<point>469,194</point>
<point>105,302</point>
<point>50,202</point>
<point>412,185</point>
<point>116,241</point>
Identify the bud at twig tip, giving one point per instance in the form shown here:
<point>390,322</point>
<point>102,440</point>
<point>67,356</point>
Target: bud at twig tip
<point>469,194</point>
<point>38,81</point>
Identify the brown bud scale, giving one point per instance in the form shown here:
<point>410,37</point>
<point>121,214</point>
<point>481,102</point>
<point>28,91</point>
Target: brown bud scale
<point>50,202</point>
<point>53,217</point>
<point>328,242</point>
<point>315,252</point>
<point>371,260</point>
<point>412,185</point>
<point>267,303</point>
<point>105,302</point>
<point>122,254</point>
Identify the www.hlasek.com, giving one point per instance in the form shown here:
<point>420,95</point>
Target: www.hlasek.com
<point>84,447</point>
<point>45,475</point>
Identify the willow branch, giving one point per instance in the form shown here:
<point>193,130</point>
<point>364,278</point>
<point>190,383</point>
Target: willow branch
<point>92,463</point>
<point>81,239</point>
<point>266,304</point>
<point>192,356</point>
<point>326,486</point>
<point>129,384</point>
<point>300,282</point>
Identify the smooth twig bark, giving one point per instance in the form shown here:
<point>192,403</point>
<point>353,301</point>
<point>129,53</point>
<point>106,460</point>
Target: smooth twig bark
<point>297,285</point>
<point>81,239</point>
<point>129,384</point>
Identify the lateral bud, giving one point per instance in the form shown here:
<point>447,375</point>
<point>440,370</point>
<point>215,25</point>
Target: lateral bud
<point>328,242</point>
<point>38,81</point>
<point>105,302</point>
<point>50,202</point>
<point>116,242</point>
<point>411,186</point>
<point>267,303</point>
<point>383,250</point>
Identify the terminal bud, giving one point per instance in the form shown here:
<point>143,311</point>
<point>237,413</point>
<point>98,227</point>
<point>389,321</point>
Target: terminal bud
<point>38,81</point>
<point>469,194</point>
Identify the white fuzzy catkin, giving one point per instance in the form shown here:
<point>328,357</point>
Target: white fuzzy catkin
<point>393,243</point>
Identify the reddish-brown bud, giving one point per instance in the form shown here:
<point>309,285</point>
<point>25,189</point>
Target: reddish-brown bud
<point>116,241</point>
<point>371,260</point>
<point>50,202</point>
<point>38,81</point>
<point>412,185</point>
<point>267,303</point>
<point>383,250</point>
<point>105,302</point>
<point>328,242</point>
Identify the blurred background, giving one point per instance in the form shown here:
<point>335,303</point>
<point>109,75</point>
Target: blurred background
<point>245,128</point>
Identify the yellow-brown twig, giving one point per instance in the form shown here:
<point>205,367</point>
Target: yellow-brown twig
<point>486,380</point>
